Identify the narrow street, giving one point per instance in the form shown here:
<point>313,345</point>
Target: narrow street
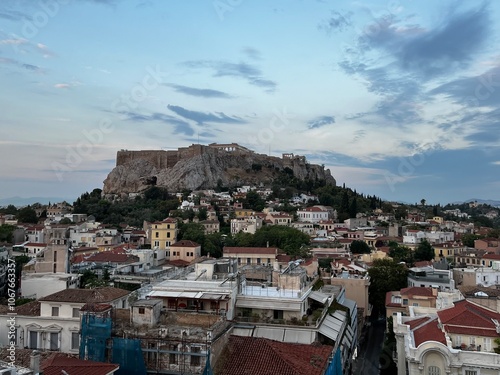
<point>370,348</point>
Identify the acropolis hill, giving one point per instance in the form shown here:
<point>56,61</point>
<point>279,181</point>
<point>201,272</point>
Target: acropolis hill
<point>203,167</point>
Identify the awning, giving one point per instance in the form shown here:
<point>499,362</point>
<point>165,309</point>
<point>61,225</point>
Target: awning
<point>212,296</point>
<point>319,296</point>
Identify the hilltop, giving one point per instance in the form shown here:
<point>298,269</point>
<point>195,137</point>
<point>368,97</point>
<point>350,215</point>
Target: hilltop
<point>204,167</point>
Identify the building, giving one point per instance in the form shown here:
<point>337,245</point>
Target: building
<point>54,259</point>
<point>400,301</point>
<point>313,214</point>
<point>210,226</point>
<point>185,251</point>
<point>39,285</point>
<point>53,322</point>
<point>163,233</point>
<point>428,276</point>
<point>252,255</point>
<point>456,340</point>
<point>356,286</point>
<point>246,225</point>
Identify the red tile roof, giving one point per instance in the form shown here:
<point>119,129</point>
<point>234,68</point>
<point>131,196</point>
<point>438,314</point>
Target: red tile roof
<point>74,366</point>
<point>429,331</point>
<point>185,243</point>
<point>98,295</point>
<point>466,317</point>
<point>417,291</point>
<point>29,309</point>
<point>250,250</point>
<point>258,356</point>
<point>35,244</point>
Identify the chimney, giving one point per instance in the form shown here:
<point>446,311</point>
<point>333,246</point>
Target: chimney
<point>267,243</point>
<point>35,362</point>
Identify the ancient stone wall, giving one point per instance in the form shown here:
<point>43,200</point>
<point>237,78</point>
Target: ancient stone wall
<point>156,157</point>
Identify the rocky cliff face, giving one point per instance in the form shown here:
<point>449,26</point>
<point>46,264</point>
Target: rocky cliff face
<point>205,171</point>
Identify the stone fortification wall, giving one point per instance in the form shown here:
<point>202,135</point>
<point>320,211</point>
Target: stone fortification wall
<point>168,158</point>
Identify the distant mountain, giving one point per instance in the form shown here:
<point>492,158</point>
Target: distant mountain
<point>18,201</point>
<point>490,202</point>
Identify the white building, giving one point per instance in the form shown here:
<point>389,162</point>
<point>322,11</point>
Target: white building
<point>313,214</point>
<point>39,285</point>
<point>246,225</point>
<point>53,322</point>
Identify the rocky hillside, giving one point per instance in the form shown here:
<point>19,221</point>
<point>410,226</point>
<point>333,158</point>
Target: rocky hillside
<point>207,170</point>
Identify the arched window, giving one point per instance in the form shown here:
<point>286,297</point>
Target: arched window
<point>434,370</point>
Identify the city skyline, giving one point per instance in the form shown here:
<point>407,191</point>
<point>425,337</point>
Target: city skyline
<point>398,99</point>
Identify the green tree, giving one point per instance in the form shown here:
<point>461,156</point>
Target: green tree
<point>27,215</point>
<point>6,232</point>
<point>192,231</point>
<point>424,251</point>
<point>353,208</point>
<point>65,220</point>
<point>469,238</point>
<point>202,214</point>
<point>360,247</point>
<point>385,275</point>
<point>401,253</point>
<point>254,201</point>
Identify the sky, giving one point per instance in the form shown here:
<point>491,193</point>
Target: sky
<point>398,98</point>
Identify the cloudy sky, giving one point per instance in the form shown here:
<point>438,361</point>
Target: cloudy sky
<point>398,98</point>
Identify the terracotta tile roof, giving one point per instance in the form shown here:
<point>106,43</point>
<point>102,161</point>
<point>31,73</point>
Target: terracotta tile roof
<point>429,331</point>
<point>112,257</point>
<point>388,299</point>
<point>185,243</point>
<point>29,309</point>
<point>106,294</point>
<point>283,258</point>
<point>35,244</point>
<point>466,316</point>
<point>313,209</point>
<point>491,256</point>
<point>74,366</point>
<point>250,250</point>
<point>417,291</point>
<point>23,356</point>
<point>417,322</point>
<point>258,356</point>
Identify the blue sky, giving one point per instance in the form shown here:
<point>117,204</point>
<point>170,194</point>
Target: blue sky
<point>398,98</point>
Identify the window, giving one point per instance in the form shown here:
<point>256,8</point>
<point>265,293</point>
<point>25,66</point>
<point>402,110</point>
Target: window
<point>172,357</point>
<point>487,344</point>
<point>157,234</point>
<point>248,260</point>
<point>157,243</point>
<point>470,372</point>
<point>76,312</point>
<point>141,310</point>
<point>195,359</point>
<point>75,341</point>
<point>405,301</point>
<point>258,260</point>
<point>55,311</point>
<point>415,303</point>
<point>434,370</point>
<point>168,234</point>
<point>54,341</point>
<point>33,339</point>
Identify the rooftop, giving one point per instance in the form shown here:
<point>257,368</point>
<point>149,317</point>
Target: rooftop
<point>106,294</point>
<point>259,356</point>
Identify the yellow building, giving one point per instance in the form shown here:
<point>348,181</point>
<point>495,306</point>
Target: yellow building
<point>447,249</point>
<point>243,212</point>
<point>163,233</point>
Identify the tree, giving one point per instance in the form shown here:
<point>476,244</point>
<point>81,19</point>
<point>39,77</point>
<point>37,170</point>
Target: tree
<point>422,202</point>
<point>401,253</point>
<point>360,247</point>
<point>353,208</point>
<point>6,232</point>
<point>469,238</point>
<point>424,251</point>
<point>65,220</point>
<point>27,215</point>
<point>385,275</point>
<point>254,201</point>
<point>202,214</point>
<point>192,231</point>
